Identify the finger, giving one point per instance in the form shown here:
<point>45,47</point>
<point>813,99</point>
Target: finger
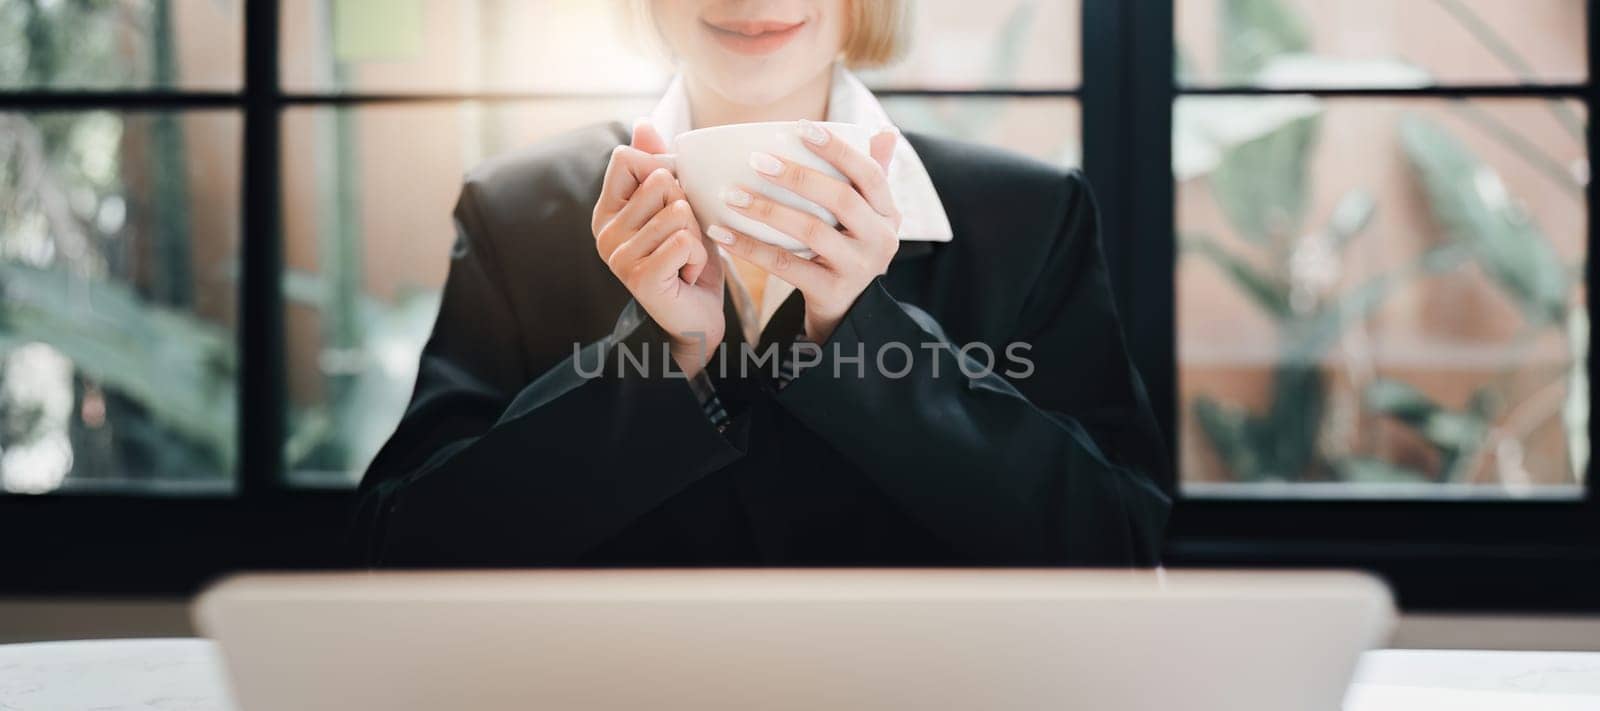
<point>627,171</point>
<point>867,174</point>
<point>659,190</point>
<point>833,194</point>
<point>662,267</point>
<point>820,236</point>
<point>699,257</point>
<point>663,224</point>
<point>882,146</point>
<point>646,138</point>
<point>805,275</point>
<point>711,271</point>
<point>651,196</point>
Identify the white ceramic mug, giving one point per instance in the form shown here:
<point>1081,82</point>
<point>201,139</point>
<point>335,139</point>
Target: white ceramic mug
<point>711,161</point>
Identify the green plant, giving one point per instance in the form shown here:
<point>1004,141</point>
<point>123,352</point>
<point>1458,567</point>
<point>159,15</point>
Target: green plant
<point>180,371</point>
<point>1261,186</point>
<point>74,193</point>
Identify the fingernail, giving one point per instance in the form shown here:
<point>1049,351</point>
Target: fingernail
<point>812,133</point>
<point>737,197</point>
<point>766,163</point>
<point>888,128</point>
<point>720,234</point>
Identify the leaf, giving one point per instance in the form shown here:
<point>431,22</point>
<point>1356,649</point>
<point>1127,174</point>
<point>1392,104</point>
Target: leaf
<point>1254,32</point>
<point>394,338</point>
<point>1307,339</point>
<point>1368,470</point>
<point>1302,70</point>
<point>1456,435</point>
<point>340,436</point>
<point>1575,411</point>
<point>1205,128</point>
<point>1351,216</point>
<point>1281,446</point>
<point>1294,424</point>
<point>1400,400</point>
<point>1007,58</point>
<point>1262,185</point>
<point>1183,67</point>
<point>1455,431</point>
<point>1503,50</point>
<point>1231,433</point>
<point>1268,292</point>
<point>303,288</point>
<point>181,370</point>
<point>1470,201</point>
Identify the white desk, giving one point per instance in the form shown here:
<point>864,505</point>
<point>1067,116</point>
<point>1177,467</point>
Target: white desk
<point>186,675</point>
<point>1420,680</point>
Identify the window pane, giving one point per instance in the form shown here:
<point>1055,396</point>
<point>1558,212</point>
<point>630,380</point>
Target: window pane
<point>368,194</point>
<point>118,267</point>
<point>1381,297</point>
<point>121,44</point>
<point>1314,43</point>
<point>463,45</point>
<point>584,46</point>
<point>960,44</point>
<point>1045,128</point>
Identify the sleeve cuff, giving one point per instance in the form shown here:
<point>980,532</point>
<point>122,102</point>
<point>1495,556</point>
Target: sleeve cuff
<point>706,392</point>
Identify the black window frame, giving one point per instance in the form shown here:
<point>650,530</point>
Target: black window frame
<point>1526,556</point>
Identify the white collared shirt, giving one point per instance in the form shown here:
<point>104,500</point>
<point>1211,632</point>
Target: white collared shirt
<point>849,101</point>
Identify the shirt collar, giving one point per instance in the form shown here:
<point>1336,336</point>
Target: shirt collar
<point>923,218</point>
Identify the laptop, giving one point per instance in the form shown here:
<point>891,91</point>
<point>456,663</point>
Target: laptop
<point>719,640</point>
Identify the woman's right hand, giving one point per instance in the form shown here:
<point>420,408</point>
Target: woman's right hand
<point>648,236</point>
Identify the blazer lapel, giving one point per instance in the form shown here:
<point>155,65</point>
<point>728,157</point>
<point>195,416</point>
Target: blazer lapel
<point>913,250</point>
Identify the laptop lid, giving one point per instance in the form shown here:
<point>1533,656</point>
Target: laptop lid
<point>795,639</point>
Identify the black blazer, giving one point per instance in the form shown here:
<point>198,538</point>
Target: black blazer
<point>509,455</point>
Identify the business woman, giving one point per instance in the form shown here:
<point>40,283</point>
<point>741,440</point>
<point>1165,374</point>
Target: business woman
<point>965,397</point>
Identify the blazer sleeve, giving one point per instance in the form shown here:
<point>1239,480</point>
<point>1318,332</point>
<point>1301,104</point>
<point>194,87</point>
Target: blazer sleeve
<point>491,465</point>
<point>1051,464</point>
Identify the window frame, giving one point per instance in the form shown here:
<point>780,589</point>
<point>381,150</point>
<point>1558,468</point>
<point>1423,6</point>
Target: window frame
<point>1479,555</point>
<point>1524,556</point>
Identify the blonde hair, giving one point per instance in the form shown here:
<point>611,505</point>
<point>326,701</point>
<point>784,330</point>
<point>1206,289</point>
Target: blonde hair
<point>877,32</point>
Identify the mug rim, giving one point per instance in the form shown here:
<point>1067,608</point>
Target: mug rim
<point>768,124</point>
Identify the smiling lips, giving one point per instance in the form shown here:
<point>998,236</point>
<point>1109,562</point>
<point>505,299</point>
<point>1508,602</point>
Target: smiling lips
<point>753,36</point>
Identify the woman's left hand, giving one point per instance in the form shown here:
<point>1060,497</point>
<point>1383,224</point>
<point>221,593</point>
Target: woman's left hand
<point>848,257</point>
